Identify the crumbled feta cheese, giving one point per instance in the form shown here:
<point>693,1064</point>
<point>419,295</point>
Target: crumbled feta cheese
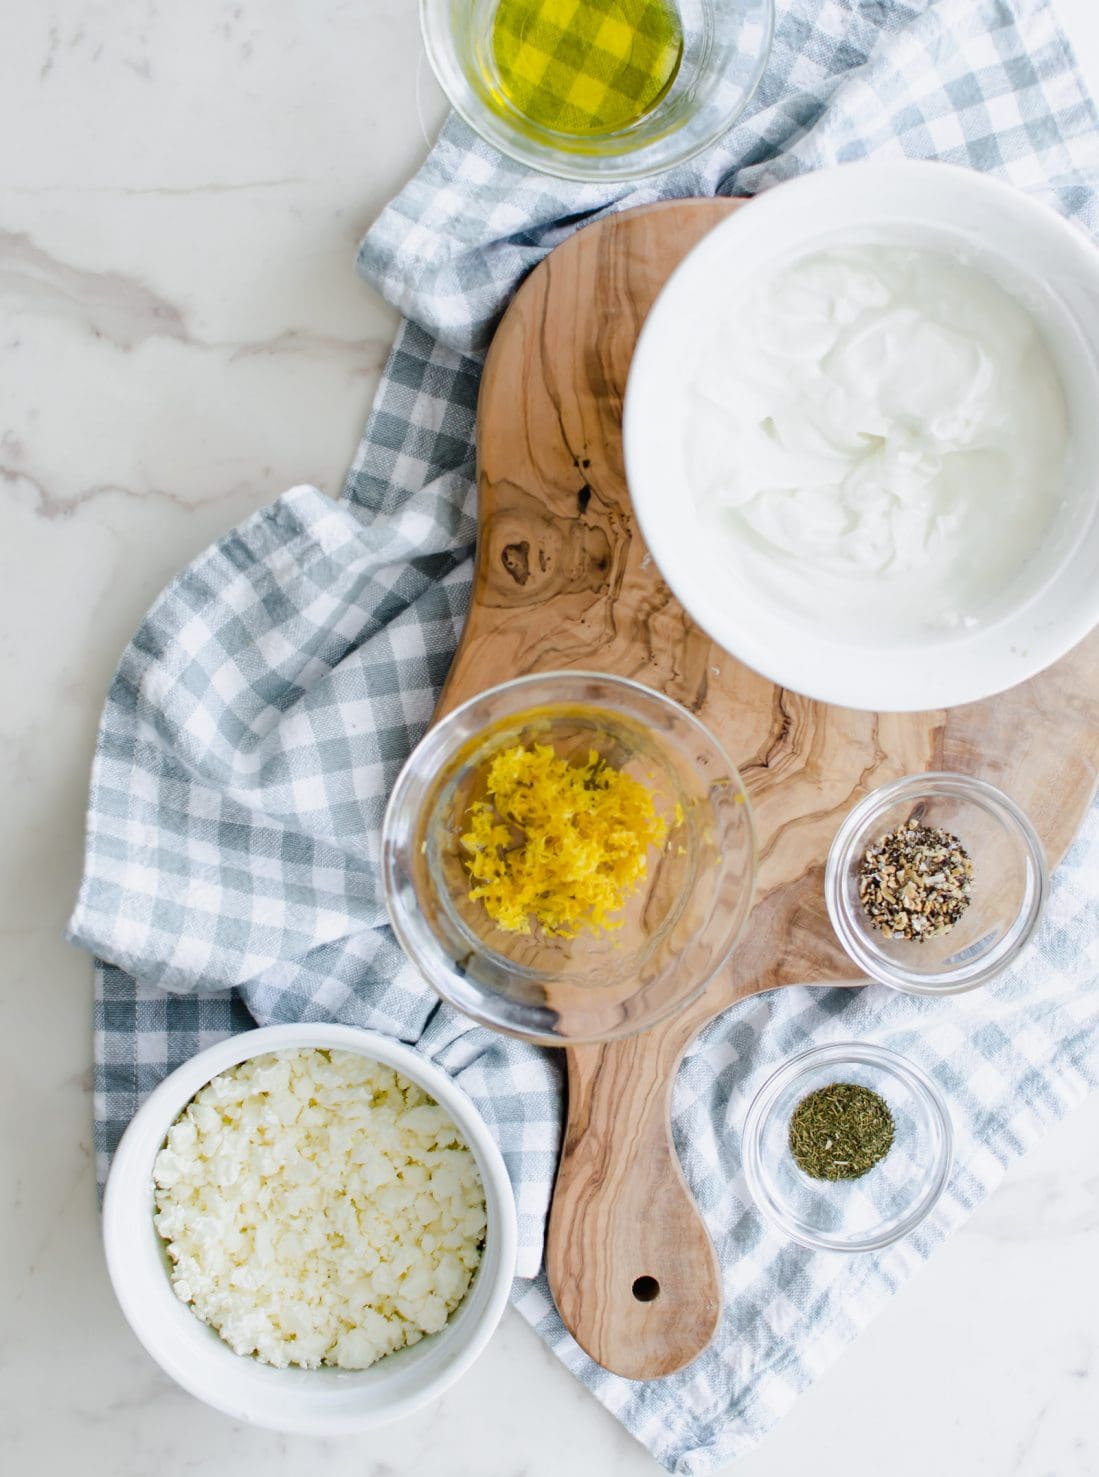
<point>318,1209</point>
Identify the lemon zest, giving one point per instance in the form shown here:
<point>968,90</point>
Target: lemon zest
<point>558,844</point>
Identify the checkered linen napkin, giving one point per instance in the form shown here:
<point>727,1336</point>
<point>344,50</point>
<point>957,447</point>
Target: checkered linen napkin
<point>258,719</point>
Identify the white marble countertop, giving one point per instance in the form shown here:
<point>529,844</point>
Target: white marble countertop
<point>182,337</point>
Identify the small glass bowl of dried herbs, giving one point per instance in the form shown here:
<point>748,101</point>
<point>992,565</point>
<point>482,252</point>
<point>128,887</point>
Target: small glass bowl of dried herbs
<point>847,1147</point>
<point>935,883</point>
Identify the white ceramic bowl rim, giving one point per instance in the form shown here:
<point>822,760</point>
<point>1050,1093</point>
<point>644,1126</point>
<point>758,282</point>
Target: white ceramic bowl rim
<point>297,1401</point>
<point>1063,268</point>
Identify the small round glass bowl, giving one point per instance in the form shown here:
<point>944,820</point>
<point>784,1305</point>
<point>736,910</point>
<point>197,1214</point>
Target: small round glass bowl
<point>1010,884</point>
<point>676,929</point>
<point>882,1205</point>
<point>726,44</point>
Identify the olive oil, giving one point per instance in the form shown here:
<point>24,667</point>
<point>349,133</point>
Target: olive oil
<point>585,67</point>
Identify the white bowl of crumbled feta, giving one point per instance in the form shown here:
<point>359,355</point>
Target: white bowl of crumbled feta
<point>310,1228</point>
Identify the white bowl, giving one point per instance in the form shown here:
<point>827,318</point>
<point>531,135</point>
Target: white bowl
<point>316,1402</point>
<point>1041,260</point>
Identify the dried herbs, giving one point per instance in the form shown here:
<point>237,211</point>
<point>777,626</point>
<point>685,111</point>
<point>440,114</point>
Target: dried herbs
<point>915,882</point>
<point>840,1132</point>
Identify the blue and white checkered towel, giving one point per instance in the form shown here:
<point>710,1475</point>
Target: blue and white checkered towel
<point>260,715</point>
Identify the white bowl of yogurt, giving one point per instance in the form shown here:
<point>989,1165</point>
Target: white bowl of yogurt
<point>861,435</point>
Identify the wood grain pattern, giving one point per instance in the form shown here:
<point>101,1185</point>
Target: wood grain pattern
<point>564,580</point>
<point>624,1225</point>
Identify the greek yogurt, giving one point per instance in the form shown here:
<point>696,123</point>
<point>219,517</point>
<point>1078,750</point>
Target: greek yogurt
<point>878,429</point>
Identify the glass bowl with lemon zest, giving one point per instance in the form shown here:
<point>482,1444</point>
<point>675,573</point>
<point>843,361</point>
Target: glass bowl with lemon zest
<point>568,857</point>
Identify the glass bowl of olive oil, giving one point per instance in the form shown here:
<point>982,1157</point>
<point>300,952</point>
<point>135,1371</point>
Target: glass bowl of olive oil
<point>598,89</point>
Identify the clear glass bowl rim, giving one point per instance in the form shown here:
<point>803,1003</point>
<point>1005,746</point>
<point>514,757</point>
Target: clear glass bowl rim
<point>840,1054</point>
<point>593,168</point>
<point>980,969</point>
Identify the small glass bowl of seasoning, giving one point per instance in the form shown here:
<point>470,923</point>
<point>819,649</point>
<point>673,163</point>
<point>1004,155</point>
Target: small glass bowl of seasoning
<point>598,89</point>
<point>935,883</point>
<point>847,1147</point>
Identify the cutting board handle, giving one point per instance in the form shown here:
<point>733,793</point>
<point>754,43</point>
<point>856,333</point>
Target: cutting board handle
<point>631,1265</point>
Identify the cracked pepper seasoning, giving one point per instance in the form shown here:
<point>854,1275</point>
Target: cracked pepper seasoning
<point>840,1132</point>
<point>916,881</point>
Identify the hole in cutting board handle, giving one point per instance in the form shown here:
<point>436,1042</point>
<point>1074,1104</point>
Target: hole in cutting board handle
<point>645,1289</point>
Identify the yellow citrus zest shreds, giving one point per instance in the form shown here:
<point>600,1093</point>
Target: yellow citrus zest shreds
<point>558,844</point>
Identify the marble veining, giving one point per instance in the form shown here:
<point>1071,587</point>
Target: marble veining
<point>182,337</point>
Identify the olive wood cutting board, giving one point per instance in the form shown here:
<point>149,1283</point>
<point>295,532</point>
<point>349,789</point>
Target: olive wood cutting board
<point>563,579</point>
